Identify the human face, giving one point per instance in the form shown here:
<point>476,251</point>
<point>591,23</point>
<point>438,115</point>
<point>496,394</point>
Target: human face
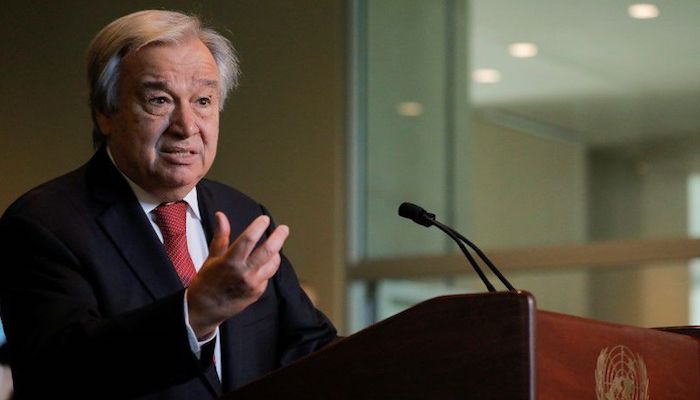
<point>164,135</point>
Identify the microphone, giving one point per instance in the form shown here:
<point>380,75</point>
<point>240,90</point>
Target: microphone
<point>418,215</point>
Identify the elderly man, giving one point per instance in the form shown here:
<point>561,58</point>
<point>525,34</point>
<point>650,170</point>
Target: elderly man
<point>133,276</point>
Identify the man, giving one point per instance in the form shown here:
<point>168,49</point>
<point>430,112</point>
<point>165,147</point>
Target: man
<point>134,277</point>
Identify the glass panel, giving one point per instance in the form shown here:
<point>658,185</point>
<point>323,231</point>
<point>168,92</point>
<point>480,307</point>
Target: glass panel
<point>583,126</point>
<point>562,291</point>
<point>694,231</point>
<point>567,291</point>
<point>408,126</point>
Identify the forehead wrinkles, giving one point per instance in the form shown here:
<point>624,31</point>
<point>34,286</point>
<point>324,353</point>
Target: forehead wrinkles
<point>171,65</point>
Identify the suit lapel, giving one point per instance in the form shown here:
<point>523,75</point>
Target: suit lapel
<point>212,379</point>
<point>129,230</point>
<point>124,221</point>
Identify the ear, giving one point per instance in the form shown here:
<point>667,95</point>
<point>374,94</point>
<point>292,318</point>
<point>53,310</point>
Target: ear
<point>104,122</point>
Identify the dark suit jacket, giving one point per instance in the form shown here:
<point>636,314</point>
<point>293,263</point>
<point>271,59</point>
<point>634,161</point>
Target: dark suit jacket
<point>94,309</point>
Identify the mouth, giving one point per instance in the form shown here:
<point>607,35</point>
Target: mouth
<point>178,155</point>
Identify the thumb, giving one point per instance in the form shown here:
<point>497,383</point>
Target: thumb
<point>219,243</point>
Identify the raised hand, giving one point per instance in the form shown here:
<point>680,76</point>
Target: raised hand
<point>233,277</point>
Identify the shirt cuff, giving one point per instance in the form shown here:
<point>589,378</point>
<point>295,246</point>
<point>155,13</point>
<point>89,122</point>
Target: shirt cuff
<point>195,344</point>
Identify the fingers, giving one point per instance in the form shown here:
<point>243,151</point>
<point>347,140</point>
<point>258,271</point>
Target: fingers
<point>267,271</point>
<point>219,243</point>
<point>244,252</point>
<point>271,248</point>
<point>262,261</point>
<point>245,243</point>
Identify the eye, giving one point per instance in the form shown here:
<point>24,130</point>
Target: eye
<point>161,100</point>
<point>204,101</point>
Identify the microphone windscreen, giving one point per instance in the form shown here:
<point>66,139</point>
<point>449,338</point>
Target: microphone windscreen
<point>410,210</point>
<point>416,213</point>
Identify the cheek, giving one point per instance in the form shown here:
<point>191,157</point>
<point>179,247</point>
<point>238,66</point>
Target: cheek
<point>150,130</point>
<point>210,146</point>
<point>155,125</point>
<point>210,134</point>
<point>212,150</point>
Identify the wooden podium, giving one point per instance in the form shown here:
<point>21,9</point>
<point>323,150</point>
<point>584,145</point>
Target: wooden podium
<point>491,346</point>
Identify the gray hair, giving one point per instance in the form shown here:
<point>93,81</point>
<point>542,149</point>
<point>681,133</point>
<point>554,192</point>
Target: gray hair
<point>134,31</point>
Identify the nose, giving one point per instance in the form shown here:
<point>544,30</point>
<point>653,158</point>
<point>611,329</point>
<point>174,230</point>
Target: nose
<point>183,121</point>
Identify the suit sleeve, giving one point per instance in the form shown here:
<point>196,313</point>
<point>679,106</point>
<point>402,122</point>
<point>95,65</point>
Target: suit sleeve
<point>60,342</point>
<point>303,328</point>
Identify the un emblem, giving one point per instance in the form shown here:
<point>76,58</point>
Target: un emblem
<point>621,374</point>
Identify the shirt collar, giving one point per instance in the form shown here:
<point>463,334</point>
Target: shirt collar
<point>149,202</point>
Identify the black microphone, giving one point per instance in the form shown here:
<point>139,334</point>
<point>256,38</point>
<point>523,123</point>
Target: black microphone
<point>418,215</point>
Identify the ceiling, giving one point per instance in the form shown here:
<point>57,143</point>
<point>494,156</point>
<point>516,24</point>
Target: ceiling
<point>600,77</point>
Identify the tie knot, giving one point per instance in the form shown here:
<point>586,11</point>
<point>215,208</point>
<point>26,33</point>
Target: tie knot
<point>171,218</point>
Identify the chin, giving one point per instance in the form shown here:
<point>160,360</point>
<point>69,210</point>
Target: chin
<point>179,181</point>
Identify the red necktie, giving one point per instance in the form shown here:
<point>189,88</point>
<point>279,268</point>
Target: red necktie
<point>172,220</point>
